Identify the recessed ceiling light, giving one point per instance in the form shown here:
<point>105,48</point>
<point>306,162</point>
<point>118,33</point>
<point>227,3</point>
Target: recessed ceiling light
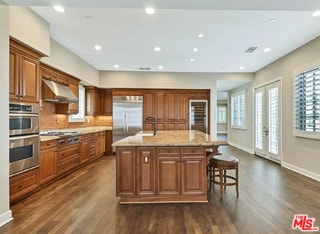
<point>150,10</point>
<point>267,50</point>
<point>316,13</point>
<point>200,35</point>
<point>191,60</point>
<point>116,66</point>
<point>58,8</point>
<point>160,67</point>
<point>157,48</point>
<point>241,68</point>
<point>195,50</point>
<point>97,47</point>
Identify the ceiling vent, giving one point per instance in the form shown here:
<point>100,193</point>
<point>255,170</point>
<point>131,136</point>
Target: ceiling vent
<point>251,49</point>
<point>144,68</point>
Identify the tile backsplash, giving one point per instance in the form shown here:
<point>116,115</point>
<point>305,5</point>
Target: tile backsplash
<point>50,120</point>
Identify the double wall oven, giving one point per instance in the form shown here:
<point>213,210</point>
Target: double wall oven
<point>24,137</point>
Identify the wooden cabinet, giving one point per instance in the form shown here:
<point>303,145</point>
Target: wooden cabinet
<point>68,157</point>
<point>193,173</point>
<point>100,144</point>
<point>84,148</point>
<point>146,171</point>
<point>47,169</point>
<point>127,166</point>
<point>108,142</point>
<point>161,174</point>
<point>24,79</point>
<point>23,184</point>
<point>106,102</point>
<point>93,101</point>
<point>168,171</point>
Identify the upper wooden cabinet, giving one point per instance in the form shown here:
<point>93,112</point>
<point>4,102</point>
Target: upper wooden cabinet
<point>98,101</point>
<point>24,80</point>
<point>93,101</point>
<point>106,102</point>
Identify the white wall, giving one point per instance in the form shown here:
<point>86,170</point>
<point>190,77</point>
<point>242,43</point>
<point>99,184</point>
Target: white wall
<point>30,28</point>
<point>165,80</point>
<point>242,138</point>
<point>66,61</point>
<point>5,213</point>
<point>302,155</point>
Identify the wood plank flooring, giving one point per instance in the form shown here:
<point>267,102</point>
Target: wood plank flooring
<point>85,202</point>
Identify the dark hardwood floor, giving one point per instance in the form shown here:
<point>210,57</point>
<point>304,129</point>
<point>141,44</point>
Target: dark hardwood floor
<point>85,202</point>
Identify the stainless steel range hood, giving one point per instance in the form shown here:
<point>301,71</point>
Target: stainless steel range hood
<point>55,92</point>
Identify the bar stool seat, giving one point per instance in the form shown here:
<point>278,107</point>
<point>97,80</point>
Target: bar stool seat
<point>221,164</point>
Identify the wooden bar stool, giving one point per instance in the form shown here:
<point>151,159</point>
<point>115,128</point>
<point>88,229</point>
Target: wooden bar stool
<point>221,164</point>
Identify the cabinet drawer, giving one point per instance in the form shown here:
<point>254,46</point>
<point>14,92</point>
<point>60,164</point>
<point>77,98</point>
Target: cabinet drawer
<point>193,150</point>
<point>168,151</point>
<point>23,183</point>
<point>47,144</point>
<point>63,155</point>
<point>67,165</point>
<point>85,137</point>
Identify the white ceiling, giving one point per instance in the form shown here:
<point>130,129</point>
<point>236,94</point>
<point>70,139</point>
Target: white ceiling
<point>128,35</point>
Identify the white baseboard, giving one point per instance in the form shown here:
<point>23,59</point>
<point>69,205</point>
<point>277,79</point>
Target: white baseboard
<point>250,151</point>
<point>5,217</point>
<point>301,171</point>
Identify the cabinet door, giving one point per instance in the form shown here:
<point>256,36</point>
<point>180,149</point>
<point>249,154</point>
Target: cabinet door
<point>29,76</point>
<point>84,151</point>
<point>106,102</point>
<point>47,165</point>
<point>100,144</point>
<point>183,107</point>
<point>109,142</point>
<point>146,170</point>
<point>147,110</point>
<point>171,106</point>
<point>168,171</point>
<point>125,164</point>
<point>13,76</point>
<point>159,106</point>
<point>193,171</point>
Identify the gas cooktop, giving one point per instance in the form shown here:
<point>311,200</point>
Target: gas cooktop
<point>60,133</point>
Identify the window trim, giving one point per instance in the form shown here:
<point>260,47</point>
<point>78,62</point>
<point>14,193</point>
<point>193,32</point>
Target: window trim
<point>81,118</point>
<point>237,126</point>
<point>297,132</point>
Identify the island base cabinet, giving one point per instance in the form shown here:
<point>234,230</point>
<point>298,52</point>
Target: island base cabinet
<point>161,174</point>
<point>125,171</point>
<point>146,171</point>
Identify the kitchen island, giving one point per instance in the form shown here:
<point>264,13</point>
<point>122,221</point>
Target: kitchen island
<point>169,167</point>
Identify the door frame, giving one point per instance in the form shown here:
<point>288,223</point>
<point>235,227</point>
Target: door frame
<point>279,79</point>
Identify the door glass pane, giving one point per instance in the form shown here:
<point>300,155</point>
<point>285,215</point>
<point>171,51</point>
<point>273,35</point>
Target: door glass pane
<point>259,121</point>
<point>274,120</point>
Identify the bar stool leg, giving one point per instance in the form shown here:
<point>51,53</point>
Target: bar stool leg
<point>221,182</point>
<point>237,181</point>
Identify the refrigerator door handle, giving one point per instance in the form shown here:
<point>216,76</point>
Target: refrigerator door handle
<point>124,123</point>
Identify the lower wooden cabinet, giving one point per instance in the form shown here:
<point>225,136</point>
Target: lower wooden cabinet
<point>23,184</point>
<point>68,157</point>
<point>47,169</point>
<point>161,174</point>
<point>84,148</point>
<point>108,143</point>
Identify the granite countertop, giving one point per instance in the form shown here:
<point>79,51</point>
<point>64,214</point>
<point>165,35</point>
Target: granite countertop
<point>170,138</point>
<point>84,130</point>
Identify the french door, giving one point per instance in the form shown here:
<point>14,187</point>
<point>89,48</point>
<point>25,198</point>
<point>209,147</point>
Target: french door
<point>267,101</point>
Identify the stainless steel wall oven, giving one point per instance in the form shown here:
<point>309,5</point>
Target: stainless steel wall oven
<point>24,137</point>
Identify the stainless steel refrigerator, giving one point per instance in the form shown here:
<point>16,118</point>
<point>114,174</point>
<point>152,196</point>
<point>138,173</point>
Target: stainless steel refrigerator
<point>127,116</point>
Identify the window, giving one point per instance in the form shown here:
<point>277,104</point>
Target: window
<point>80,117</point>
<point>222,114</point>
<point>307,104</point>
<point>238,110</point>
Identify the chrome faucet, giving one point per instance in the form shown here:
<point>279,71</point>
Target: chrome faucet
<point>154,124</point>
